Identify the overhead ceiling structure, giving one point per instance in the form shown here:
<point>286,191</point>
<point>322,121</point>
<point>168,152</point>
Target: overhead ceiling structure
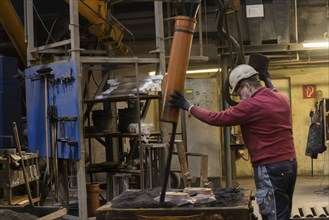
<point>278,31</point>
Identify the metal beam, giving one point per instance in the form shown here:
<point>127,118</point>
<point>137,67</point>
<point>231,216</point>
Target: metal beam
<point>272,48</point>
<point>53,45</point>
<point>118,60</point>
<point>75,54</point>
<point>30,30</point>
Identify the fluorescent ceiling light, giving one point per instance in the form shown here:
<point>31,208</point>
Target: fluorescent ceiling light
<point>214,70</point>
<point>324,44</point>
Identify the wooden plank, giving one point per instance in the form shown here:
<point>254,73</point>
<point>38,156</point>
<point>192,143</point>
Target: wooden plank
<point>54,215</point>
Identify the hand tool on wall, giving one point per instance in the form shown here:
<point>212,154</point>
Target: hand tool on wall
<point>52,116</point>
<point>45,73</point>
<point>22,162</point>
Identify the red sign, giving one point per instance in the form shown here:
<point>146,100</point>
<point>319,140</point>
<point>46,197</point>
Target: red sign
<point>309,91</point>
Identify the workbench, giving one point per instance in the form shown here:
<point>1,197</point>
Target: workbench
<point>242,211</point>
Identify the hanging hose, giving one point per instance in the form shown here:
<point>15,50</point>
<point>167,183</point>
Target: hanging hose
<point>189,9</point>
<point>257,61</point>
<point>232,45</point>
<point>225,33</point>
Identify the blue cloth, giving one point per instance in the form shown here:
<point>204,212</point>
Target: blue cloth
<point>64,95</point>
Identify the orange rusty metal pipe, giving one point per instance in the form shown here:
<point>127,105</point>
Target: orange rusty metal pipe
<point>177,66</point>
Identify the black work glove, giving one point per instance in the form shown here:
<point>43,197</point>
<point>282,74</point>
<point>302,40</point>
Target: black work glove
<point>178,100</point>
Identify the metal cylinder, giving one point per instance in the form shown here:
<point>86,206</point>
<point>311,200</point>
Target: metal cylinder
<point>177,66</point>
<point>307,211</point>
<point>319,211</point>
<point>295,213</point>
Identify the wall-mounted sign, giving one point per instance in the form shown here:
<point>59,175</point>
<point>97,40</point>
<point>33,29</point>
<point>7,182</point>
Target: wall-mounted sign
<point>255,11</point>
<point>309,91</point>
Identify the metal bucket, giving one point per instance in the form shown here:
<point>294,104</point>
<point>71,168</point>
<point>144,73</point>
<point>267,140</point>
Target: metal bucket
<point>102,119</point>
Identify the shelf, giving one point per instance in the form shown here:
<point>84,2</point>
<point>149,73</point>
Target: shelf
<point>26,156</point>
<point>110,167</point>
<point>91,132</point>
<point>12,185</point>
<point>19,201</point>
<point>121,98</point>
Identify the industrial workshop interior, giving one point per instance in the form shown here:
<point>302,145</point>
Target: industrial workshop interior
<point>87,126</point>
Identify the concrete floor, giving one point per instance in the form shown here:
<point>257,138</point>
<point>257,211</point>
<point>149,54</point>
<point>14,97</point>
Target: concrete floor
<point>309,192</point>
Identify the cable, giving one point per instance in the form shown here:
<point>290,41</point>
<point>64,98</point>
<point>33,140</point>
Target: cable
<point>92,76</point>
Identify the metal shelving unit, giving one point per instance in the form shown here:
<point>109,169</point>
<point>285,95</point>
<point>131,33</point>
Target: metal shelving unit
<point>14,175</point>
<point>84,61</point>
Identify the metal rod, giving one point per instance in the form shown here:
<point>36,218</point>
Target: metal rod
<point>167,168</point>
<point>200,32</point>
<point>296,27</point>
<point>75,55</point>
<point>47,125</point>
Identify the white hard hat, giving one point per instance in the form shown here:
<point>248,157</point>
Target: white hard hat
<point>240,72</point>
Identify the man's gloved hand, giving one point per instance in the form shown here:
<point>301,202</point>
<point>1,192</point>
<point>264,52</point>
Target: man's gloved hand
<point>178,100</point>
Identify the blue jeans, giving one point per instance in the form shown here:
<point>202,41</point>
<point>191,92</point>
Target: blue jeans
<point>275,184</point>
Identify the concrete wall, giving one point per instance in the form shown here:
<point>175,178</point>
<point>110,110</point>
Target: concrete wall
<point>301,107</point>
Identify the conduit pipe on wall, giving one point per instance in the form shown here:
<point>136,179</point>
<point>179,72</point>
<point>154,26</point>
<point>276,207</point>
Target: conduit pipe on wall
<point>178,63</point>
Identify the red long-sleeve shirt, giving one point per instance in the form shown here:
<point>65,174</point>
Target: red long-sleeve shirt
<point>265,121</point>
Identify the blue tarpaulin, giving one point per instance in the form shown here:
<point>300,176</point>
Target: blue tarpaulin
<point>63,94</point>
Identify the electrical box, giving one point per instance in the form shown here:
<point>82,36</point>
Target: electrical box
<point>201,137</point>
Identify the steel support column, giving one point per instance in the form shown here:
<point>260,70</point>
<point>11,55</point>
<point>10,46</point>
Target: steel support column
<point>75,55</point>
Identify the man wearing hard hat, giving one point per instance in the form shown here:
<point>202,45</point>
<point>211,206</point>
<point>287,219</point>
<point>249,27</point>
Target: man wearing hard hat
<point>265,119</point>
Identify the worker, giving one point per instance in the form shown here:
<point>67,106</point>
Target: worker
<point>264,115</point>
